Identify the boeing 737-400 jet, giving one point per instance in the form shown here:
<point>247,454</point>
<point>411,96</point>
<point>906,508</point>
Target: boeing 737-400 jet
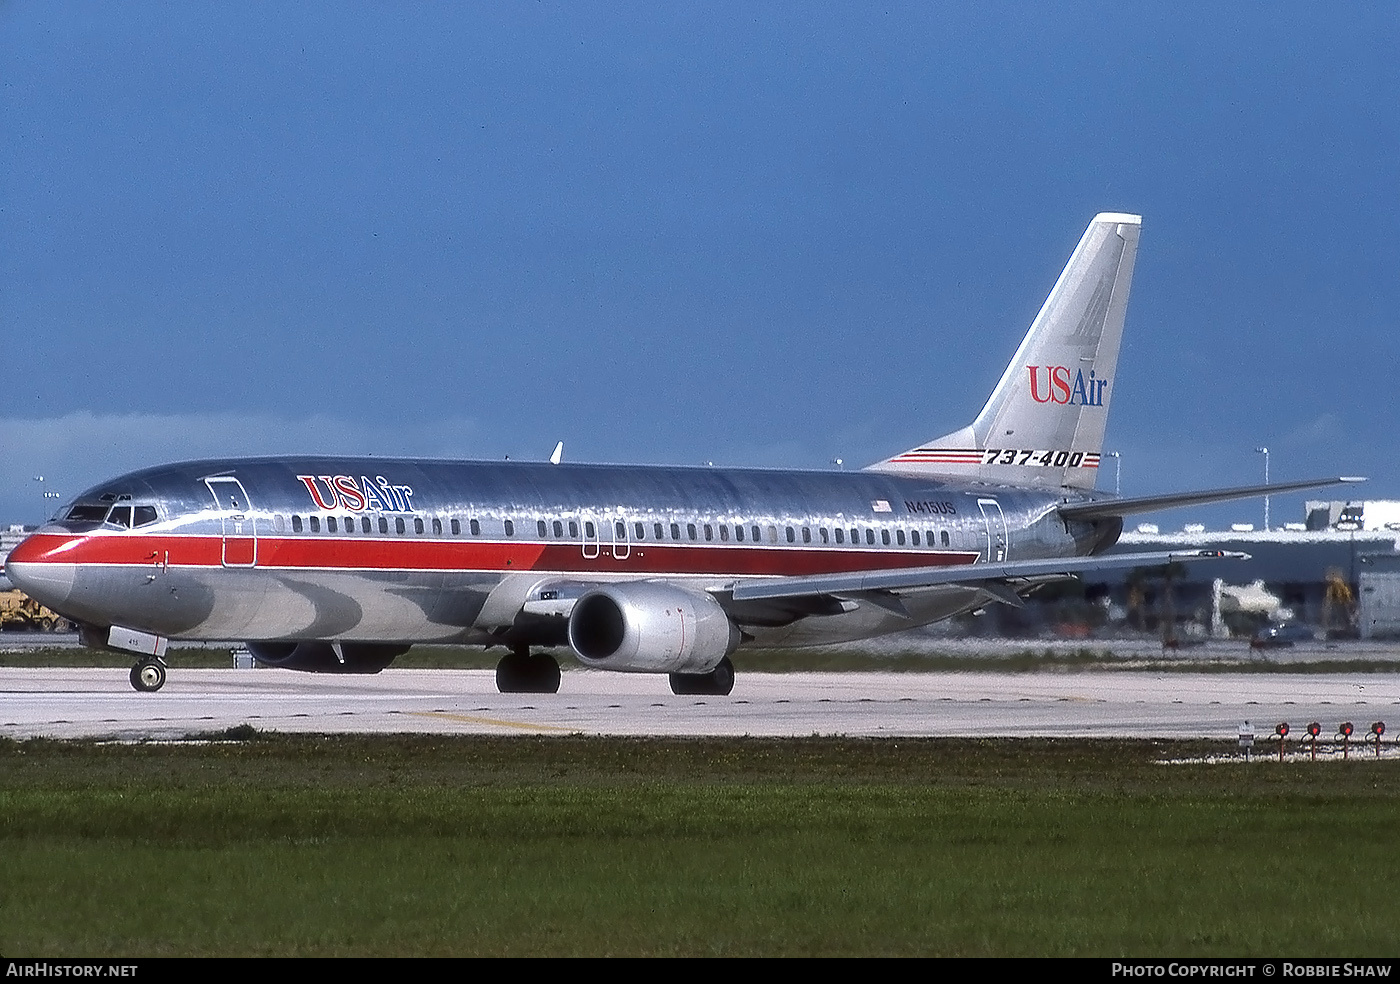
<point>339,565</point>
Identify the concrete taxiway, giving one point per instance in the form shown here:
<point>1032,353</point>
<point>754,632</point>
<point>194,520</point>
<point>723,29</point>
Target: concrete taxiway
<point>72,703</point>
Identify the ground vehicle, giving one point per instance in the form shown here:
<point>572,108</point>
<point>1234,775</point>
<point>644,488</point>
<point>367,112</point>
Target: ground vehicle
<point>19,612</point>
<point>1282,636</point>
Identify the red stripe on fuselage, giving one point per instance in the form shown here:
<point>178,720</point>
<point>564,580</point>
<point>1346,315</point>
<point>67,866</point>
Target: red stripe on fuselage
<point>375,553</point>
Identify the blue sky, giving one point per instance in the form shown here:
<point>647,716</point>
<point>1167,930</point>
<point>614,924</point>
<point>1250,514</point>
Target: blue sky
<point>754,234</point>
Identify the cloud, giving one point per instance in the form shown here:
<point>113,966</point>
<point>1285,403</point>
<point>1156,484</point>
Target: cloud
<point>1326,430</point>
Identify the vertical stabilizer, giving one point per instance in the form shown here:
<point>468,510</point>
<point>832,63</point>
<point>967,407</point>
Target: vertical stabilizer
<point>1044,423</point>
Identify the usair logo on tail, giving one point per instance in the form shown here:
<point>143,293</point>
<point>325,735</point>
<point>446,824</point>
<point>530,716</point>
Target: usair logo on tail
<point>1058,388</point>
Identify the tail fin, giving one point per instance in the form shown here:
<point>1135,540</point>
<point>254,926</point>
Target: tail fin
<point>1044,422</point>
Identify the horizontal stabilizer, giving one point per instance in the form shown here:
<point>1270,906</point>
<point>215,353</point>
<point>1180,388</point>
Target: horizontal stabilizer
<point>1106,508</point>
<point>853,583</point>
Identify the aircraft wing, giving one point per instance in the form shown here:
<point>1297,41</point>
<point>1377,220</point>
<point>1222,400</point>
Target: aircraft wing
<point>990,576</point>
<point>1105,508</point>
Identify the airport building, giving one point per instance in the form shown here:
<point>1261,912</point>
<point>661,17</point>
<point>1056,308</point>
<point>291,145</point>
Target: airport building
<point>1336,572</point>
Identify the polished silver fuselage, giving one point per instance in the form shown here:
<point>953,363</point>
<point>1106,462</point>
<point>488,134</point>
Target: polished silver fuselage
<point>408,551</point>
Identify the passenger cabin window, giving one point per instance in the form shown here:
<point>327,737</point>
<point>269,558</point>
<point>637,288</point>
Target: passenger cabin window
<point>723,533</point>
<point>870,538</point>
<point>417,525</point>
<point>825,538</point>
<point>899,537</point>
<point>398,525</point>
<point>756,537</point>
<point>657,532</point>
<point>543,528</point>
<point>315,524</point>
<point>675,531</point>
<point>709,532</point>
<point>331,525</point>
<point>944,535</point>
<point>885,537</point>
<point>588,529</point>
<point>296,524</point>
<point>437,527</point>
<point>383,524</point>
<point>739,533</point>
<point>456,527</point>
<point>558,530</point>
<point>620,530</point>
<point>791,535</point>
<point>914,537</point>
<point>690,528</point>
<point>806,534</point>
<point>840,535</point>
<point>476,528</point>
<point>573,529</point>
<point>510,527</point>
<point>640,530</point>
<point>364,524</point>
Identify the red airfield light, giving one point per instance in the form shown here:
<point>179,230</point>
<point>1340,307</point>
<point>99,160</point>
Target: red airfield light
<point>1314,729</point>
<point>1377,730</point>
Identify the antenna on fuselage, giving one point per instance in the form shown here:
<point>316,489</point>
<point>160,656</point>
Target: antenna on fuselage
<point>558,454</point>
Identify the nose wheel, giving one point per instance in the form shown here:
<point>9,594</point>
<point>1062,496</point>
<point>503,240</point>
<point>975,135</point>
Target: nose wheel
<point>148,676</point>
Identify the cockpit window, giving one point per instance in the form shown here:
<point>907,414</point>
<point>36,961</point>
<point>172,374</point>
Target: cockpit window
<point>87,514</point>
<point>120,516</point>
<point>145,515</point>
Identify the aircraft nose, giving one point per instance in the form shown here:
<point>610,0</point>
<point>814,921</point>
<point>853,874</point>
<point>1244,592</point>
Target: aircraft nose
<point>46,580</point>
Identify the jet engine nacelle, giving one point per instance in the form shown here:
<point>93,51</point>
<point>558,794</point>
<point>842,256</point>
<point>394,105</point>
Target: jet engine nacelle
<point>326,657</point>
<point>650,627</point>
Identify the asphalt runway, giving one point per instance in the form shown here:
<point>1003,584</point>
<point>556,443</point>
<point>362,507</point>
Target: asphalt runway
<point>72,703</point>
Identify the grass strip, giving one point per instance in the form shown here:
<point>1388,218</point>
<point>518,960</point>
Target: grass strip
<point>309,845</point>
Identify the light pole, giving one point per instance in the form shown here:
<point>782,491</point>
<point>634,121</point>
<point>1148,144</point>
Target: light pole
<point>49,495</point>
<point>1117,472</point>
<point>1265,453</point>
<point>42,495</point>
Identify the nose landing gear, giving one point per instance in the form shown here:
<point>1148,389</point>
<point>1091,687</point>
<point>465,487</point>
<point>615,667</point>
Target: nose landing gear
<point>148,676</point>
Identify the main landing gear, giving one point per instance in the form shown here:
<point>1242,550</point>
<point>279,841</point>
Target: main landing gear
<point>717,683</point>
<point>148,676</point>
<point>524,672</point>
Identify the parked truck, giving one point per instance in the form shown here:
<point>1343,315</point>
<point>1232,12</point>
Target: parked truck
<point>21,613</point>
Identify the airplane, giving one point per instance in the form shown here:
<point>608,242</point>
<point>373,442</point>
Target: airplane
<point>340,565</point>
